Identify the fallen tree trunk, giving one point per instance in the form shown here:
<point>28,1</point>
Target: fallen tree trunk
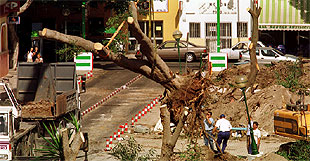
<point>162,74</point>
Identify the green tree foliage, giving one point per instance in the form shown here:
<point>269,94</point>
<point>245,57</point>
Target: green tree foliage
<point>304,7</point>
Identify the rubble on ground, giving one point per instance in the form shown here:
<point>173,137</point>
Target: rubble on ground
<point>268,95</point>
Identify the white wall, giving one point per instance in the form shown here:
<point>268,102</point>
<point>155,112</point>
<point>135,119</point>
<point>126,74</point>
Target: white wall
<point>201,11</point>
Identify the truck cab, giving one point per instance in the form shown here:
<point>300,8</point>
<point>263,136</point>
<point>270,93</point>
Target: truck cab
<point>8,104</point>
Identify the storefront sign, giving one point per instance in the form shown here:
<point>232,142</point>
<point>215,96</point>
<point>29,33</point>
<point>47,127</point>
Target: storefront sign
<point>14,20</point>
<point>12,6</point>
<point>161,5</point>
<point>210,7</point>
<point>285,27</point>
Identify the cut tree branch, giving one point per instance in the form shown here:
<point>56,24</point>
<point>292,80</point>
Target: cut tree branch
<point>24,7</point>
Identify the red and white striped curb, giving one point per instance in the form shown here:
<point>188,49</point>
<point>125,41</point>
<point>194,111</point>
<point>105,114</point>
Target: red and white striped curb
<point>124,128</point>
<point>110,95</point>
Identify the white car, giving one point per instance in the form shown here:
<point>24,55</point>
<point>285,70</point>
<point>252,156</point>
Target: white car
<point>266,55</point>
<point>242,46</point>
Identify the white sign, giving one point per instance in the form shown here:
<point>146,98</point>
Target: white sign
<point>210,7</point>
<point>84,61</point>
<point>161,5</point>
<point>219,61</point>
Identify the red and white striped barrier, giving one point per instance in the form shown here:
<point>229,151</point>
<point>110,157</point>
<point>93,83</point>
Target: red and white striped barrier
<point>124,128</point>
<point>110,95</point>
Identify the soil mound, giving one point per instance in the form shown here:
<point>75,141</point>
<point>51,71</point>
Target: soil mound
<point>268,96</point>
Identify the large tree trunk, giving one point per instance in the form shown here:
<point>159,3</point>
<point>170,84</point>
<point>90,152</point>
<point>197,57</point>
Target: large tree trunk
<point>169,138</point>
<point>13,38</point>
<point>255,12</point>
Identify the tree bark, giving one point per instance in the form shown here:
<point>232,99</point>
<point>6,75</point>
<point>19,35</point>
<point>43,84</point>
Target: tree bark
<point>169,138</point>
<point>255,12</point>
<point>14,38</point>
<point>71,151</point>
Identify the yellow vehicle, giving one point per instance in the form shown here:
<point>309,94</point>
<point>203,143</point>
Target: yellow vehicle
<point>293,121</point>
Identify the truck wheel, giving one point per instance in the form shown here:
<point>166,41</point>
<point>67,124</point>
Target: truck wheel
<point>189,57</point>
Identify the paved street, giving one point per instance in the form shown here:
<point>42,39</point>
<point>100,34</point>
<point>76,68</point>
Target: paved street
<point>102,122</point>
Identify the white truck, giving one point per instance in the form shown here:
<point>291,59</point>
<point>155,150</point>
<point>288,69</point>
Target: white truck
<point>46,93</point>
<point>234,53</point>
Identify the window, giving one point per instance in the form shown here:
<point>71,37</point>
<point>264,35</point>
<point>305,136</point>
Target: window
<point>96,27</point>
<point>169,45</point>
<point>3,124</point>
<point>268,53</point>
<point>242,29</point>
<point>74,28</point>
<point>194,30</point>
<point>211,35</point>
<point>144,25</point>
<point>3,34</point>
<point>4,98</point>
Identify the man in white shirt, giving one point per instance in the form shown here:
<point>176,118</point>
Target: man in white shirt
<point>224,131</point>
<point>257,135</point>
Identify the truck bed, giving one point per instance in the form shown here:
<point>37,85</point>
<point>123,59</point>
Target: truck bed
<point>38,109</point>
<point>47,110</point>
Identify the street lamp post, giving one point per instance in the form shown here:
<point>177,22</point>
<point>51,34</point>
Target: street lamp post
<point>241,83</point>
<point>177,36</point>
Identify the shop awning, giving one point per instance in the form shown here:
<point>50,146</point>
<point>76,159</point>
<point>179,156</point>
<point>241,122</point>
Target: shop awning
<point>284,15</point>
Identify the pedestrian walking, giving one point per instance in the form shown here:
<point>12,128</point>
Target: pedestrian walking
<point>224,132</point>
<point>257,136</point>
<point>209,125</point>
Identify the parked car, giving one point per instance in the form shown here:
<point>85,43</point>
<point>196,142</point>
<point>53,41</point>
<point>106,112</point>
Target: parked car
<point>266,55</point>
<point>242,46</point>
<point>190,52</point>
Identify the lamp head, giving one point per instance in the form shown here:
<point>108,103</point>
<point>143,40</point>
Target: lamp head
<point>177,34</point>
<point>241,81</point>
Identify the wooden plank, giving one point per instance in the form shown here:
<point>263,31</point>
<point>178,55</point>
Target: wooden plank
<point>24,129</point>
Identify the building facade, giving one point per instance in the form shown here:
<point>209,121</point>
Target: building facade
<point>199,20</point>
<point>4,51</point>
<point>64,17</point>
<point>166,20</point>
<point>286,22</point>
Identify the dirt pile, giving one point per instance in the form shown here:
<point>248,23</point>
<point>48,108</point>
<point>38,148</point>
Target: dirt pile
<point>205,154</point>
<point>41,108</point>
<point>261,106</point>
<point>268,95</point>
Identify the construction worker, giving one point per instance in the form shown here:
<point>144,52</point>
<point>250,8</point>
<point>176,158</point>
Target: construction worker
<point>224,132</point>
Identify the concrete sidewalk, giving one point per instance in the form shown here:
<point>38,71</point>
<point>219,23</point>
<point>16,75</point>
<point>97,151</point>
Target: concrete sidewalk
<point>11,78</point>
